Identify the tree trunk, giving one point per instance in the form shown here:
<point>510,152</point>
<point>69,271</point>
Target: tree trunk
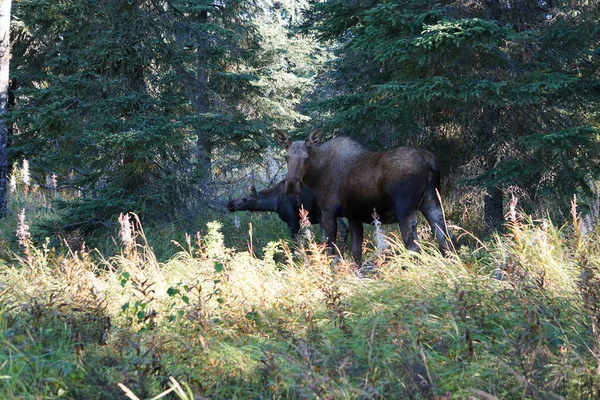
<point>5,6</point>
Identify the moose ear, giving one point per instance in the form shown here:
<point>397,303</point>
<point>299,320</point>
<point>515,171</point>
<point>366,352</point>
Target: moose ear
<point>252,190</point>
<point>282,139</point>
<point>313,138</point>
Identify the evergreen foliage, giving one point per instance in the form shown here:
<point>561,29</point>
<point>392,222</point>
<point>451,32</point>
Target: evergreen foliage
<point>128,103</point>
<point>145,105</point>
<point>504,92</point>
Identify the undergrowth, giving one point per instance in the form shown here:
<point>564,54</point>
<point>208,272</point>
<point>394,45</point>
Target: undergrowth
<point>513,317</point>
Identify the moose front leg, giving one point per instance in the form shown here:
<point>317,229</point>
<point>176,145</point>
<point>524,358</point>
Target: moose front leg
<point>330,227</point>
<point>356,234</point>
<point>294,229</point>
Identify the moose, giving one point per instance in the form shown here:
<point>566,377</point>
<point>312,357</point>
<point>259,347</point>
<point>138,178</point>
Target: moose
<point>348,180</point>
<point>286,206</point>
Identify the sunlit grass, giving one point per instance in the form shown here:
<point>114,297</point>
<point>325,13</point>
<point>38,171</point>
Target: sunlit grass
<point>513,317</point>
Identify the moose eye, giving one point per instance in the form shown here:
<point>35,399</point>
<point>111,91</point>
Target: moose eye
<point>305,160</point>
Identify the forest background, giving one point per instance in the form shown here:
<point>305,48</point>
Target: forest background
<point>167,108</point>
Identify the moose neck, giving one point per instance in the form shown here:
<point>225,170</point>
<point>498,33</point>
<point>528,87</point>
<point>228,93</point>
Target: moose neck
<point>268,199</point>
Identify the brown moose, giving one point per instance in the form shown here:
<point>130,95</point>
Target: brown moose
<point>350,181</point>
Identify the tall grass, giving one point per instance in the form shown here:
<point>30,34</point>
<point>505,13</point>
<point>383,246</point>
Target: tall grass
<point>515,317</point>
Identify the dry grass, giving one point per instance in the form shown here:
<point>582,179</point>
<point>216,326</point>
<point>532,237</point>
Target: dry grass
<point>514,317</point>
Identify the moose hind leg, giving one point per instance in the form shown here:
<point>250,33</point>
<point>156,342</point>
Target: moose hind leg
<point>432,210</point>
<point>407,220</point>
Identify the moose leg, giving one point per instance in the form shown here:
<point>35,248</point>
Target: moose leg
<point>356,232</point>
<point>407,219</point>
<point>344,231</point>
<point>294,229</point>
<point>432,209</point>
<point>330,227</point>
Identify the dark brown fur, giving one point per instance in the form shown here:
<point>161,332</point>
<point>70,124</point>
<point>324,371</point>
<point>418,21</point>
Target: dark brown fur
<point>350,181</point>
<point>286,206</point>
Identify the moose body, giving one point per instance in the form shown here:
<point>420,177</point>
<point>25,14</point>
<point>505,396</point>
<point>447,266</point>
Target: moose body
<point>286,206</point>
<point>350,181</point>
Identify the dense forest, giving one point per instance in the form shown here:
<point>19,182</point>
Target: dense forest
<point>160,108</point>
<point>126,127</point>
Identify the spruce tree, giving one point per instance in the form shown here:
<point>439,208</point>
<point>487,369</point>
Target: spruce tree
<point>129,102</point>
<point>505,91</point>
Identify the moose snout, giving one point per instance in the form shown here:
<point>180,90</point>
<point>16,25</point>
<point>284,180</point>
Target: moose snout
<point>231,206</point>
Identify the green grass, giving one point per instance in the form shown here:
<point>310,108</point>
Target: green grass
<point>39,357</point>
<point>513,317</point>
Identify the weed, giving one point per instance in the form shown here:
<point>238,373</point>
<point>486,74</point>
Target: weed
<point>512,317</point>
